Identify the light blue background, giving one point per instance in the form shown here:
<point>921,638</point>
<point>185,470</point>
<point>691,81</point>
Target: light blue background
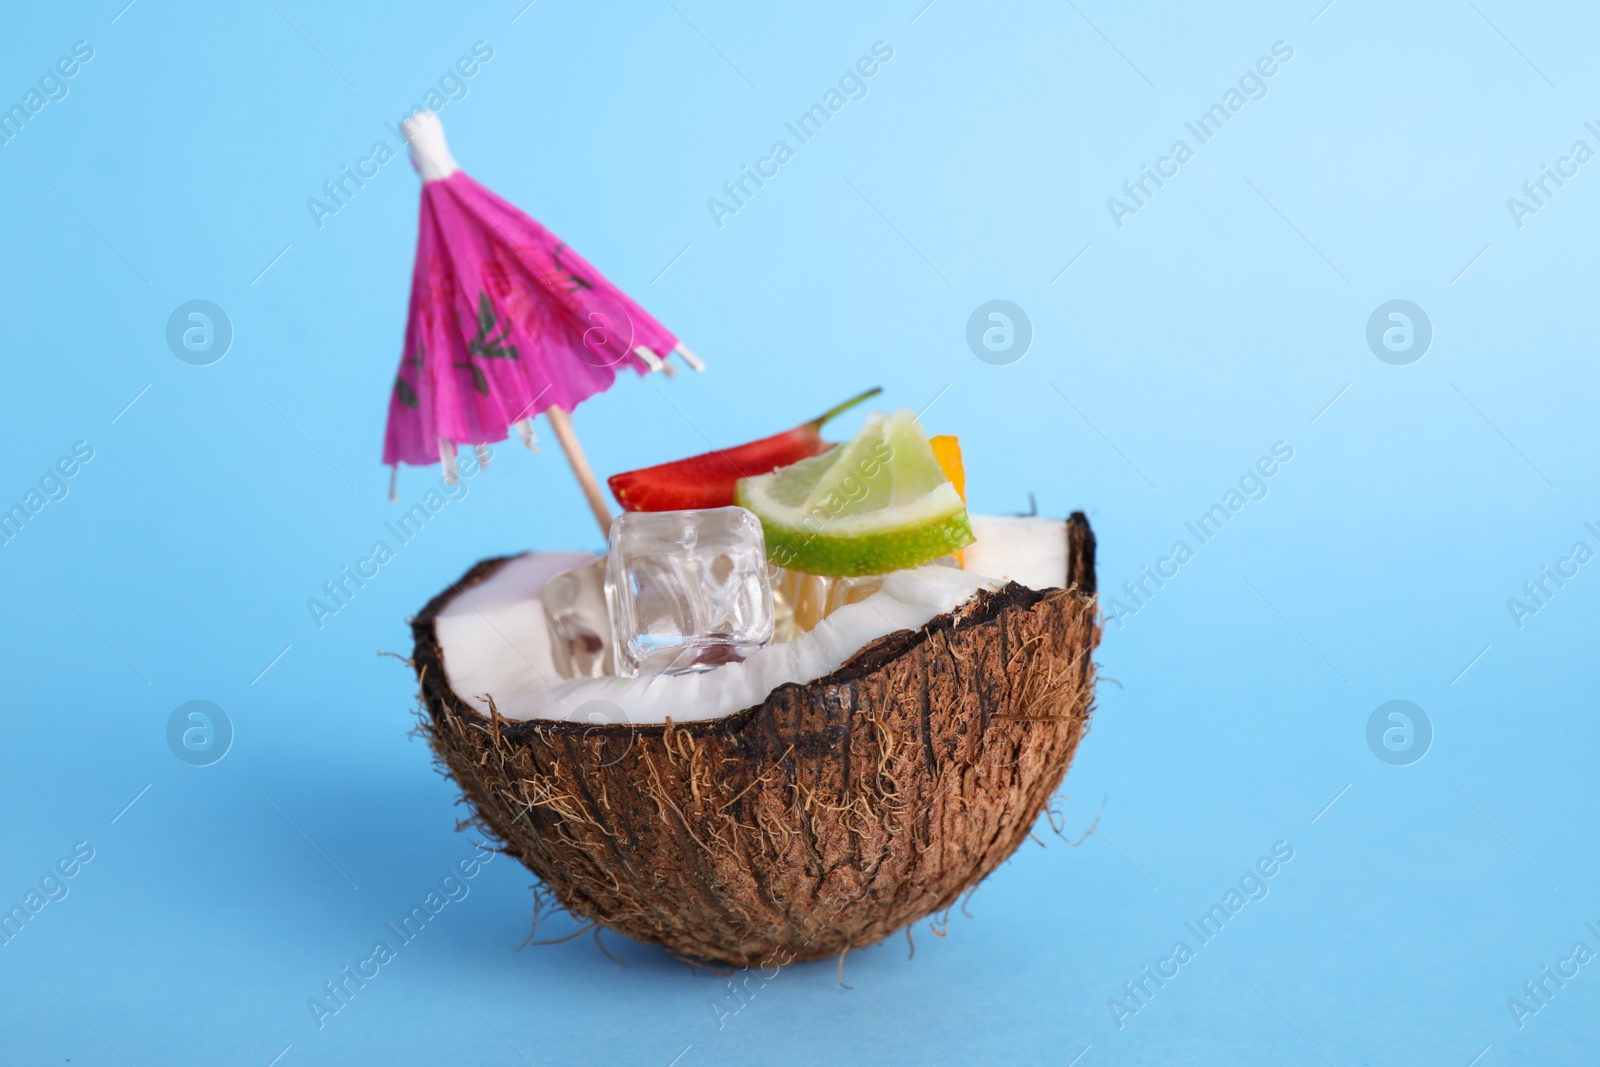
<point>1223,317</point>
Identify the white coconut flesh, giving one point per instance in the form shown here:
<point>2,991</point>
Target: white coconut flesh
<point>1030,550</point>
<point>494,641</point>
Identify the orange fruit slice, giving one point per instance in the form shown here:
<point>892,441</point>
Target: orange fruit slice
<point>947,450</point>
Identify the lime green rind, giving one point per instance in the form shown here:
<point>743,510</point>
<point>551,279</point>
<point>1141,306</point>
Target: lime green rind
<point>879,553</point>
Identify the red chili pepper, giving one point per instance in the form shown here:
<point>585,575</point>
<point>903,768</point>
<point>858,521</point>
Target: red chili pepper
<point>707,480</point>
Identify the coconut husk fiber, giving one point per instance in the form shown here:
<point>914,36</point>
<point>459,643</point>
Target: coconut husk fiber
<point>825,818</point>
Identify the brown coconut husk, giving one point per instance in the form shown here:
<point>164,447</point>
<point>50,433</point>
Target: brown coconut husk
<point>821,820</point>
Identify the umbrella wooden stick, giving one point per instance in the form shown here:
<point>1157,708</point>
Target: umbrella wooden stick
<point>561,423</point>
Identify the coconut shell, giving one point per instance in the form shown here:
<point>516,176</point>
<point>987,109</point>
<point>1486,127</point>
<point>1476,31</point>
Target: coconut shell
<point>825,818</point>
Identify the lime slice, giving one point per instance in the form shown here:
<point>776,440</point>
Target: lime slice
<point>878,503</point>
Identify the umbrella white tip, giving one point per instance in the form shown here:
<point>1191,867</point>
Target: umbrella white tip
<point>694,361</point>
<point>429,152</point>
<point>447,458</point>
<point>530,440</point>
<point>650,359</point>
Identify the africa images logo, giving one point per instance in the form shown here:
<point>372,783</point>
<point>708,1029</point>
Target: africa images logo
<point>1252,886</point>
<point>52,88</point>
<point>852,85</point>
<point>1252,85</point>
<point>1399,332</point>
<point>999,332</point>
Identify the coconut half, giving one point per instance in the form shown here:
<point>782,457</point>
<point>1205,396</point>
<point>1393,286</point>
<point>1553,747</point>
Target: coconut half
<point>812,799</point>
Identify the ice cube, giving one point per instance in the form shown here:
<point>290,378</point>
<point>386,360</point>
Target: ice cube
<point>580,627</point>
<point>688,590</point>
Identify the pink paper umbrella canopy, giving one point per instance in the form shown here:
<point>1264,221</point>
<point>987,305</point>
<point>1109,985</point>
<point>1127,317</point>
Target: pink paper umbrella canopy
<point>506,321</point>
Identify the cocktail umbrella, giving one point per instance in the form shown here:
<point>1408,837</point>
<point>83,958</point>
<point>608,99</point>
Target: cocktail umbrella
<point>506,321</point>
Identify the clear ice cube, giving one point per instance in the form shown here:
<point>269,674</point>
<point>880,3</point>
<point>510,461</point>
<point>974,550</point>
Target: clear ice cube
<point>688,590</point>
<point>580,627</point>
